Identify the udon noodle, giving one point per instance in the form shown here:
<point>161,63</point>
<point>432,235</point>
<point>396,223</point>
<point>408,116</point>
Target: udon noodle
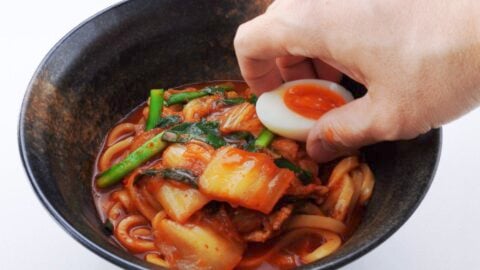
<point>210,195</point>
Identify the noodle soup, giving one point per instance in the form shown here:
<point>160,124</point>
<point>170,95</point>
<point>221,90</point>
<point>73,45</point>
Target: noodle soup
<point>193,180</point>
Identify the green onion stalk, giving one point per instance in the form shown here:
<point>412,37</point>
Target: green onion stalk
<point>184,97</point>
<point>264,139</point>
<point>142,154</point>
<point>155,109</point>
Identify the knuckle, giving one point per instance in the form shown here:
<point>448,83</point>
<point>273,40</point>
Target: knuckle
<point>239,37</point>
<point>242,36</point>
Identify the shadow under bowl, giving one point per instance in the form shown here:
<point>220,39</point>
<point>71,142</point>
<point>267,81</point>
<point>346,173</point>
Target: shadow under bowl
<point>103,69</point>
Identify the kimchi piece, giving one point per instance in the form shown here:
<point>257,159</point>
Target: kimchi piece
<point>251,180</point>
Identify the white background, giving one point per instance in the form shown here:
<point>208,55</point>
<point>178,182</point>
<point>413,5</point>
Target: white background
<point>442,234</point>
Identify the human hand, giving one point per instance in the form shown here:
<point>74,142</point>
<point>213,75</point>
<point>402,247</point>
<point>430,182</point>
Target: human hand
<point>420,61</point>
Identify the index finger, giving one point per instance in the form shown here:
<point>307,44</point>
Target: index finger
<point>257,45</point>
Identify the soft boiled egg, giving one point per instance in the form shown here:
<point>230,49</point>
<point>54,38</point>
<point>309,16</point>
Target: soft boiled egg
<point>292,109</point>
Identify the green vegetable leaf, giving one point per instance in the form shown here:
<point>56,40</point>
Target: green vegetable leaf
<point>233,101</point>
<point>205,131</point>
<point>250,145</point>
<point>238,136</point>
<point>169,121</point>
<point>304,176</point>
<point>243,139</point>
<point>253,99</point>
<point>176,174</point>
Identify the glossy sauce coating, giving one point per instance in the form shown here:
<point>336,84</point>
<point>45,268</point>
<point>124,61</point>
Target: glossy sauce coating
<point>259,165</point>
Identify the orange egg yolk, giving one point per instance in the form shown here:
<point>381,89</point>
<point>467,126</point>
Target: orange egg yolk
<point>311,101</point>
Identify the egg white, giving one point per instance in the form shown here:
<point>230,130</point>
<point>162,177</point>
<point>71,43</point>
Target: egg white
<point>276,116</point>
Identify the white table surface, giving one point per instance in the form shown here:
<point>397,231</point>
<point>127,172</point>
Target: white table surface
<point>442,234</point>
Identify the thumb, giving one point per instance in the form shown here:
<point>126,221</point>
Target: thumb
<point>343,130</point>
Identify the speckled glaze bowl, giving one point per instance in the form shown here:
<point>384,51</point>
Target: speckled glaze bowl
<point>104,68</point>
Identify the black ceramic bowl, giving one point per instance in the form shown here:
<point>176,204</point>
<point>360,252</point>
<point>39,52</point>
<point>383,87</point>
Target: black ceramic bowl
<point>104,68</point>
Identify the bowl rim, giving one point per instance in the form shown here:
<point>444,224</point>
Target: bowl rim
<point>125,263</point>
